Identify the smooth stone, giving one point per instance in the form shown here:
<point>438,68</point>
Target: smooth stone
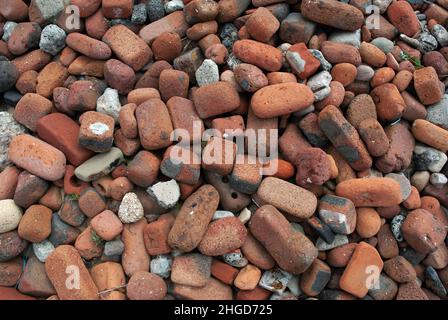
<point>166,194</point>
<point>438,113</point>
<point>438,180</point>
<point>235,259</point>
<point>161,265</point>
<point>383,44</point>
<point>222,214</point>
<point>109,103</point>
<point>427,158</point>
<point>131,209</point>
<point>10,215</point>
<point>275,280</point>
<point>339,240</point>
<point>320,85</point>
<point>352,38</point>
<point>364,73</point>
<point>43,249</point>
<point>405,184</point>
<point>324,64</point>
<point>100,165</point>
<point>113,248</point>
<point>207,73</point>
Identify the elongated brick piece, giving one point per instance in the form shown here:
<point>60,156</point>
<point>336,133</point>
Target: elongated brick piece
<point>281,99</point>
<point>37,157</point>
<point>63,263</point>
<point>344,137</point>
<point>260,54</point>
<point>193,218</point>
<point>430,134</point>
<point>136,53</point>
<point>287,197</point>
<point>370,192</point>
<point>333,13</point>
<point>292,250</point>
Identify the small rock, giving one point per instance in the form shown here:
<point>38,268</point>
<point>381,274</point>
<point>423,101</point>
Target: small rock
<point>339,240</point>
<point>428,42</point>
<point>235,259</point>
<point>207,73</point>
<point>8,75</point>
<point>173,5</point>
<point>438,113</point>
<point>222,214</point>
<point>275,280</point>
<point>438,31</point>
<point>320,85</point>
<point>155,10</point>
<point>139,14</point>
<point>324,64</point>
<point>433,282</point>
<point>100,165</point>
<point>395,226</point>
<point>109,103</point>
<point>405,185</point>
<point>167,194</point>
<point>52,39</point>
<point>161,265</point>
<point>364,73</point>
<point>8,29</point>
<point>438,180</point>
<point>113,248</point>
<point>10,215</point>
<point>420,179</point>
<point>352,38</point>
<point>427,158</point>
<point>245,215</point>
<point>42,250</point>
<point>383,44</point>
<point>131,209</point>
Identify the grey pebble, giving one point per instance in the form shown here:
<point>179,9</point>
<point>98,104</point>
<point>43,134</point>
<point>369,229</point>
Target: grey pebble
<point>109,103</point>
<point>161,265</point>
<point>339,240</point>
<point>8,28</point>
<point>113,248</point>
<point>235,259</point>
<point>174,5</point>
<point>52,39</point>
<point>42,250</point>
<point>383,44</point>
<point>324,64</point>
<point>155,9</point>
<point>139,14</point>
<point>352,38</point>
<point>9,128</point>
<point>438,113</point>
<point>99,165</point>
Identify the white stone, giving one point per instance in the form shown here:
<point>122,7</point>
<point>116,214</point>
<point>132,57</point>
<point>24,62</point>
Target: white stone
<point>166,194</point>
<point>161,265</point>
<point>173,5</point>
<point>131,209</point>
<point>245,215</point>
<point>42,250</point>
<point>433,159</point>
<point>294,287</point>
<point>10,215</point>
<point>352,38</point>
<point>382,4</point>
<point>207,73</point>
<point>275,280</point>
<point>403,181</point>
<point>438,180</point>
<point>109,103</point>
<point>222,214</point>
<point>52,39</point>
<point>339,240</point>
<point>320,85</point>
<point>9,128</point>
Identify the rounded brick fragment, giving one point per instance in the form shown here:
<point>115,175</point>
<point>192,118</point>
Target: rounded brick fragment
<point>293,251</point>
<point>371,192</point>
<point>193,218</point>
<point>37,157</point>
<point>66,258</point>
<point>281,99</point>
<point>215,99</point>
